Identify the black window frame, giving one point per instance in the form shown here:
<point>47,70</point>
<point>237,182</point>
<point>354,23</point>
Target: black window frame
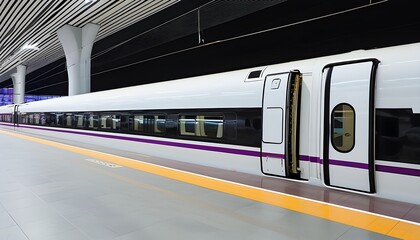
<point>353,134</point>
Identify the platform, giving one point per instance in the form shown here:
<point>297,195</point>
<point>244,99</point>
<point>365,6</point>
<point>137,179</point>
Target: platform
<point>56,189</point>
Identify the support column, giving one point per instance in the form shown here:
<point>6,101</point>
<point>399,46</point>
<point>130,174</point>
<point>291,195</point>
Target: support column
<point>18,79</point>
<point>77,44</point>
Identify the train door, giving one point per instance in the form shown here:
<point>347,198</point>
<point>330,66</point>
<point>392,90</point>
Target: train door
<point>15,115</point>
<point>348,154</point>
<point>281,106</point>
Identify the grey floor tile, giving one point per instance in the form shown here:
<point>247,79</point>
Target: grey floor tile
<point>12,233</point>
<point>53,187</point>
<point>6,220</point>
<point>360,234</point>
<point>121,225</point>
<point>15,195</point>
<point>45,228</point>
<point>182,227</point>
<point>25,202</point>
<point>93,227</point>
<point>69,235</point>
<point>10,187</point>
<point>34,213</point>
<point>309,227</point>
<point>264,211</point>
<point>31,180</point>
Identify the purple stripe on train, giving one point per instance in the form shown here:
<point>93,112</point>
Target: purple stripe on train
<point>159,142</point>
<point>312,159</point>
<point>398,170</point>
<point>348,164</point>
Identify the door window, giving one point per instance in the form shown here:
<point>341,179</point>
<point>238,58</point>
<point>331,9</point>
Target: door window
<point>343,124</point>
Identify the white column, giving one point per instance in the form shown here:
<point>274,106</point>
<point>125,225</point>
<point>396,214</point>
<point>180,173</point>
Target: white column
<point>18,79</point>
<point>77,44</point>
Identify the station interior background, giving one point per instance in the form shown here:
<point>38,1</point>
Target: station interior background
<point>201,37</point>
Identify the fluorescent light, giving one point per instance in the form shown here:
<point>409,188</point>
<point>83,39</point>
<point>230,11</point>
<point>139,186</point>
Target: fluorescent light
<point>30,47</point>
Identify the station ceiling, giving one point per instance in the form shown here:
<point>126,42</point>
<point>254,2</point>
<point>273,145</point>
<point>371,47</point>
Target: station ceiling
<point>149,41</point>
<point>28,28</point>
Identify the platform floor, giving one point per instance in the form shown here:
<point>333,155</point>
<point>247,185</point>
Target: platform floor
<point>54,191</point>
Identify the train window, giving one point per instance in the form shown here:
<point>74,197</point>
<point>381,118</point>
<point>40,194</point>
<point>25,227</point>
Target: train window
<point>60,119</point>
<point>92,121</point>
<point>187,125</point>
<point>30,118</point>
<point>343,124</point>
<point>201,126</point>
<point>48,120</point>
<point>42,119</point>
<point>36,118</point>
<point>397,135</point>
<point>149,123</point>
<point>110,121</point>
<point>6,118</point>
<point>68,120</point>
<point>53,119</point>
<point>138,123</point>
<point>79,120</point>
<point>155,123</point>
<point>23,118</point>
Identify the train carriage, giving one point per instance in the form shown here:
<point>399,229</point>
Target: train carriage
<point>349,121</point>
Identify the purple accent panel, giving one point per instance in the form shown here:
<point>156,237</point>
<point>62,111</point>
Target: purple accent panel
<point>311,159</point>
<point>159,142</point>
<point>276,155</point>
<point>380,168</point>
<point>398,170</point>
<point>305,158</point>
<point>348,164</point>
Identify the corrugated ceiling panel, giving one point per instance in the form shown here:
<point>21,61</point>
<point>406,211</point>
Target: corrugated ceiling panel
<point>36,22</point>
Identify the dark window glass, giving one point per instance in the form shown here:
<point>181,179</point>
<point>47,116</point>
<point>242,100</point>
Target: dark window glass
<point>160,124</point>
<point>254,74</point>
<point>55,119</point>
<point>31,118</point>
<point>6,118</point>
<point>79,120</point>
<point>138,123</point>
<point>60,119</point>
<point>24,118</point>
<point>148,123</point>
<point>68,120</point>
<point>43,119</point>
<point>343,123</point>
<point>110,121</point>
<point>398,135</point>
<point>187,125</point>
<point>37,118</point>
<point>92,121</point>
<point>201,126</point>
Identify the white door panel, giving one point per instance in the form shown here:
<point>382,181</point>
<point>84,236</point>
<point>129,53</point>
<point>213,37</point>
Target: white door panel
<point>273,130</point>
<point>272,158</point>
<point>280,124</point>
<point>348,128</point>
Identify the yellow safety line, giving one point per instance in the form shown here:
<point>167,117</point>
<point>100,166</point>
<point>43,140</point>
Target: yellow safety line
<point>371,222</point>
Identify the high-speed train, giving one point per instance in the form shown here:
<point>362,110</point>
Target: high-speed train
<point>349,121</point>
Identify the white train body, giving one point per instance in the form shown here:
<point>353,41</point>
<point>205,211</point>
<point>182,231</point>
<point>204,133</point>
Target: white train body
<point>348,121</point>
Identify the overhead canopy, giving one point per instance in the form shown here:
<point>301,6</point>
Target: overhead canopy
<point>28,28</point>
